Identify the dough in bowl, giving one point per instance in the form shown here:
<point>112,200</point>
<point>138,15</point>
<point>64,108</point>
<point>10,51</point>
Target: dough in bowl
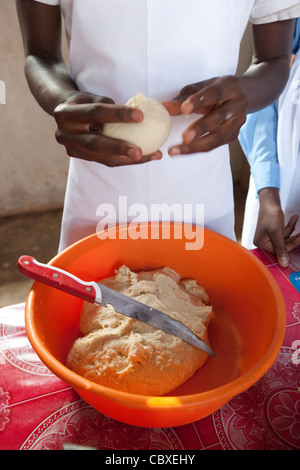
<point>149,134</point>
<point>125,354</point>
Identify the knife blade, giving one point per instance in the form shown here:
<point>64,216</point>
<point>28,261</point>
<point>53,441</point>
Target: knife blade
<point>295,280</point>
<point>100,294</point>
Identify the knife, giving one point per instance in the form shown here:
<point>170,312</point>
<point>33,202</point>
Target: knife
<point>295,280</point>
<point>97,293</point>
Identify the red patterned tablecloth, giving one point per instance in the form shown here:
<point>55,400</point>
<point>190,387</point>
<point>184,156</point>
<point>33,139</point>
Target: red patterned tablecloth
<point>39,411</point>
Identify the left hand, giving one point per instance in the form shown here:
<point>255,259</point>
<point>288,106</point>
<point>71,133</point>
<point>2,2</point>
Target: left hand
<point>271,232</point>
<point>280,242</point>
<point>222,106</point>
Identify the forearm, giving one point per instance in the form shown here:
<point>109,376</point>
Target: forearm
<point>49,81</point>
<point>263,82</point>
<point>48,77</point>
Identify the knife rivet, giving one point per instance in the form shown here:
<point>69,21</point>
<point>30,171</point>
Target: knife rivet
<point>55,275</point>
<point>88,288</point>
<point>26,262</point>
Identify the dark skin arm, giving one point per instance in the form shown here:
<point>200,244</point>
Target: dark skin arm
<point>80,116</point>
<point>223,102</point>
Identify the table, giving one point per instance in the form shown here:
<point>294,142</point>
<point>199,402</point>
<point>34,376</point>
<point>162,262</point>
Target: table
<point>39,411</point>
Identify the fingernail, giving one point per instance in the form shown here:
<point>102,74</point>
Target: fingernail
<point>137,115</point>
<point>187,108</point>
<point>188,136</point>
<point>174,151</point>
<point>284,261</point>
<point>134,153</point>
<point>156,156</point>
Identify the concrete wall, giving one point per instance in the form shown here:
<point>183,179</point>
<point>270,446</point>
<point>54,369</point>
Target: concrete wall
<point>33,167</point>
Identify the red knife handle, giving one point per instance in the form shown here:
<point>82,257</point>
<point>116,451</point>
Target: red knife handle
<point>58,278</point>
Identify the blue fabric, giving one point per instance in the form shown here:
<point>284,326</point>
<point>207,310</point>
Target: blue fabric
<point>258,138</point>
<point>258,141</point>
<point>296,41</point>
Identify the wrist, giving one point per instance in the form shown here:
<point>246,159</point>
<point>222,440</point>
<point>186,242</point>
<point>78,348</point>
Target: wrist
<point>255,82</point>
<point>270,195</point>
<point>50,82</point>
<point>269,202</point>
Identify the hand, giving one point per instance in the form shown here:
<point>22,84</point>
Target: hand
<point>222,106</point>
<point>79,128</point>
<point>271,233</point>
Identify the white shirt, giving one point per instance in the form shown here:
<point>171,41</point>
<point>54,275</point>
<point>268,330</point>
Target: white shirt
<point>121,48</point>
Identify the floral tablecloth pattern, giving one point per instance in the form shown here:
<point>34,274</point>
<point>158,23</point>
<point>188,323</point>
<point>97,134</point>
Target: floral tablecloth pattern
<point>39,411</point>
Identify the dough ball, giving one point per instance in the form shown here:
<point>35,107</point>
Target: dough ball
<point>151,133</point>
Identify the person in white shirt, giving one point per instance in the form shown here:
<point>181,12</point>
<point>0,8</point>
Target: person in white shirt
<point>270,139</point>
<point>183,54</point>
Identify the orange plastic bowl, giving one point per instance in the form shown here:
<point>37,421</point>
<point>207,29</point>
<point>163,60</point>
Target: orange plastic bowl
<point>246,334</point>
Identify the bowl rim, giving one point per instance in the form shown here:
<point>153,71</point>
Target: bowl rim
<point>222,393</point>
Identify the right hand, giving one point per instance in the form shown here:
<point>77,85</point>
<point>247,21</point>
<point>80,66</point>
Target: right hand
<point>79,128</point>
